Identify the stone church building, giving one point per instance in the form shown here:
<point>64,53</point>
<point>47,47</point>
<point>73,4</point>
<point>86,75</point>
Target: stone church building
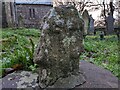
<point>24,14</point>
<point>30,15</point>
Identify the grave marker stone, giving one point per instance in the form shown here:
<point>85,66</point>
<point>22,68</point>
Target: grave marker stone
<point>59,48</point>
<point>85,17</point>
<point>110,24</point>
<point>91,25</point>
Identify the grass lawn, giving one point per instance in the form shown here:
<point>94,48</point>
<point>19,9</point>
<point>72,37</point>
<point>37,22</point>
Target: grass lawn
<point>18,46</point>
<point>103,53</point>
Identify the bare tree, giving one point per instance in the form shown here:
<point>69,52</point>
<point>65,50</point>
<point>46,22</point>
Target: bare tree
<point>9,9</point>
<point>80,5</point>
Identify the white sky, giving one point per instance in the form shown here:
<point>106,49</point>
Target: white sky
<point>95,14</point>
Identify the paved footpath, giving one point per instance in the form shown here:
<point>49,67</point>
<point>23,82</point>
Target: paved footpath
<point>96,77</point>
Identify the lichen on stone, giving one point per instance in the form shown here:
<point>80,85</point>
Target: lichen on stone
<point>60,45</point>
<point>67,41</point>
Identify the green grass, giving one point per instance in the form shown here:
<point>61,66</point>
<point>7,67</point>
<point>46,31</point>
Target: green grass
<point>102,52</point>
<point>8,32</point>
<point>18,47</point>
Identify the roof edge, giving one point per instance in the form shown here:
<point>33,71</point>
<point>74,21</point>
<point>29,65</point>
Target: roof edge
<point>33,4</point>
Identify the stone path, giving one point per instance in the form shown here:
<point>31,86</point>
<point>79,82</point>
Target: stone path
<point>96,77</point>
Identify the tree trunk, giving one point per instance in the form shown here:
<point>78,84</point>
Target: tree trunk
<point>111,8</point>
<point>105,31</point>
<point>10,14</point>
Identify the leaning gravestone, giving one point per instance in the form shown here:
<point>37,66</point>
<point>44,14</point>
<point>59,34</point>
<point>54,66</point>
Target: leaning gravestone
<point>110,24</point>
<point>85,16</point>
<point>91,26</point>
<point>59,48</point>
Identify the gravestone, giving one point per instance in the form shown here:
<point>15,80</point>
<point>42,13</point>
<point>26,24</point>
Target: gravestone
<point>101,35</point>
<point>59,48</point>
<point>20,21</point>
<point>110,24</point>
<point>85,17</point>
<point>91,25</point>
